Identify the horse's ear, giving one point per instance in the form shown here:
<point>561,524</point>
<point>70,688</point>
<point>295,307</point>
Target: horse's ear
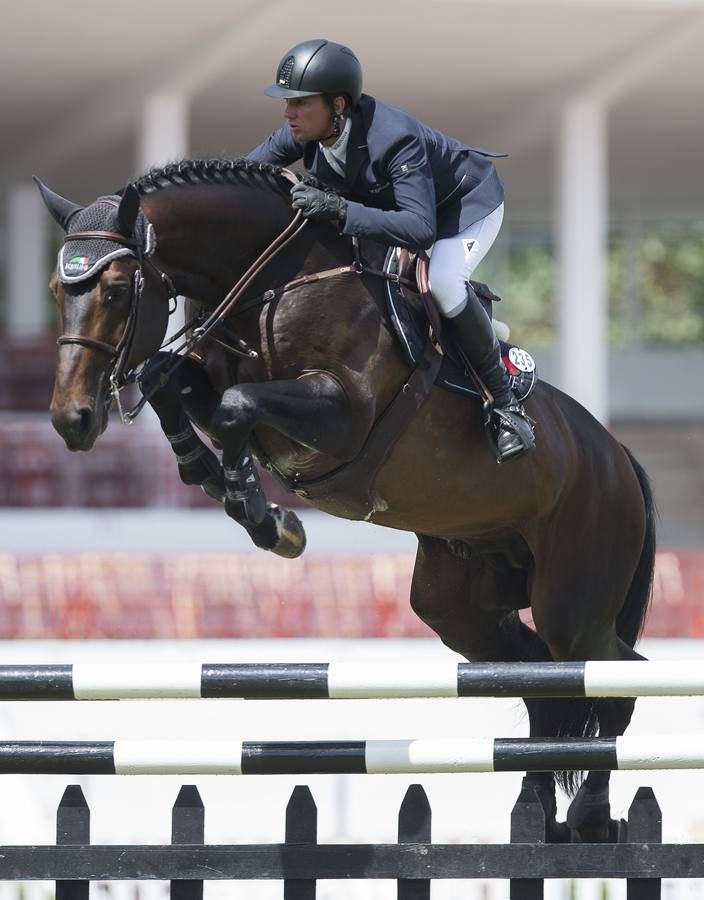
<point>61,209</point>
<point>128,210</point>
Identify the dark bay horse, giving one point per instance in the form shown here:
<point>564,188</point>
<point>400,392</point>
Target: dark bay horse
<point>567,530</point>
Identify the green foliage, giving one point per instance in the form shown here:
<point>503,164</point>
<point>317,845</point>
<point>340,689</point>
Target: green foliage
<point>655,282</point>
<point>531,293</point>
<point>672,287</point>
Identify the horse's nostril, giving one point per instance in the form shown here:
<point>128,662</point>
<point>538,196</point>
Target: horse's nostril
<point>84,421</point>
<point>75,424</point>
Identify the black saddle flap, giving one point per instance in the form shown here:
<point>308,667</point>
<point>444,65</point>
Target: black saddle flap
<point>411,325</point>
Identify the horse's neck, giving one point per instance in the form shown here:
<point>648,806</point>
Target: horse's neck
<point>208,236</point>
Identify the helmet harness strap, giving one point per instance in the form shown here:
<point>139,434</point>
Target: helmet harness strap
<point>336,120</point>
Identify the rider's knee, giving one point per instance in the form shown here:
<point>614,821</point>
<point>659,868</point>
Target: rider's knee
<point>449,290</point>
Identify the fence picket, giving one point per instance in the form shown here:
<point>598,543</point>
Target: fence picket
<point>301,828</point>
<point>73,827</point>
<point>527,827</point>
<point>644,827</point>
<point>187,827</point>
<point>414,826</point>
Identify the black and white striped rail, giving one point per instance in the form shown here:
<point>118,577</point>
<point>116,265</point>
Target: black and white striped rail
<point>344,680</point>
<point>375,757</point>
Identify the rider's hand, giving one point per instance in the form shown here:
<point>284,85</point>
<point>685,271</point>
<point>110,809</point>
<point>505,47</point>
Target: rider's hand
<point>317,204</point>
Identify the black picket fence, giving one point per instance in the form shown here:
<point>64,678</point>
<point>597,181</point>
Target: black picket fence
<point>300,861</point>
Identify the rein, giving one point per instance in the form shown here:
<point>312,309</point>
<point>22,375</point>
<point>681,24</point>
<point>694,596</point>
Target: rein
<point>358,267</point>
<point>118,378</point>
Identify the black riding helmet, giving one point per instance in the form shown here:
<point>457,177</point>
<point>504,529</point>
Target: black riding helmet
<point>318,67</point>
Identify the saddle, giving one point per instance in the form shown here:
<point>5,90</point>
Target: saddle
<point>412,320</point>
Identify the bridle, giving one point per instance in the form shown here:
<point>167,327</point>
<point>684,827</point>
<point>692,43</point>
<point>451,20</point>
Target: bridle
<point>118,376</point>
<point>201,325</point>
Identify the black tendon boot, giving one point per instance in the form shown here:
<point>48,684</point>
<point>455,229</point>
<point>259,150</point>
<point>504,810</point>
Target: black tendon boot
<point>244,497</point>
<point>474,335</point>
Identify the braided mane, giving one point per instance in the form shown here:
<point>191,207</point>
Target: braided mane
<point>216,171</point>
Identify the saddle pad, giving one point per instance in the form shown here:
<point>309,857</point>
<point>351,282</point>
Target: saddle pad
<point>411,326</point>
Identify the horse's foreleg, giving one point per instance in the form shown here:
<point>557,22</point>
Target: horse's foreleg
<point>311,410</point>
<point>186,397</point>
<point>197,464</point>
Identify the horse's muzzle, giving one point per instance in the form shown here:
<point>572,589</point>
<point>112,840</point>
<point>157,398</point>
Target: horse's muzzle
<point>78,424</point>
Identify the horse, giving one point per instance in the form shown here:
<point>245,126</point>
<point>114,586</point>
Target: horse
<point>304,374</point>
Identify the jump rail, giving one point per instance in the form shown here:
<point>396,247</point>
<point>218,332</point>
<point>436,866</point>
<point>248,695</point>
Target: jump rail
<point>372,757</point>
<point>253,681</point>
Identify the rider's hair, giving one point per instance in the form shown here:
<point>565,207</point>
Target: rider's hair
<point>329,99</point>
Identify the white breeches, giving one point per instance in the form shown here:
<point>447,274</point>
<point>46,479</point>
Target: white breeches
<point>453,260</point>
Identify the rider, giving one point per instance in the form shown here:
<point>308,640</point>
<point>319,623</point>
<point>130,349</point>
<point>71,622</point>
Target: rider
<point>402,184</point>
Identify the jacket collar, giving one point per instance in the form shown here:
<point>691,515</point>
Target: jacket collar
<point>325,172</point>
<point>356,147</point>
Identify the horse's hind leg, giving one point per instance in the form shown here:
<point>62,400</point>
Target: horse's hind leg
<point>467,602</point>
<point>581,590</point>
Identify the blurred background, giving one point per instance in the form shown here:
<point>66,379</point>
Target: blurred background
<point>600,265</point>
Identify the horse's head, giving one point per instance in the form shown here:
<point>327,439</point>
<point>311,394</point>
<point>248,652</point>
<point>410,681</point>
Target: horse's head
<point>108,325</point>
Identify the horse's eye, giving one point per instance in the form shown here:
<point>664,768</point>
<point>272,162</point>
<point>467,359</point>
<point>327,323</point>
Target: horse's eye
<point>116,292</point>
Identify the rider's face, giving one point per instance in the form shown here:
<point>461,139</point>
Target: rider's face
<point>307,117</point>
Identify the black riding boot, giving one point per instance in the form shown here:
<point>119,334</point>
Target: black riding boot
<point>474,335</point>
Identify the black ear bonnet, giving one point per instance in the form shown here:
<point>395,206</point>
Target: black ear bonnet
<point>82,259</point>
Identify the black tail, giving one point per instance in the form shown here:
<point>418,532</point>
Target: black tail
<point>631,619</point>
<point>580,718</point>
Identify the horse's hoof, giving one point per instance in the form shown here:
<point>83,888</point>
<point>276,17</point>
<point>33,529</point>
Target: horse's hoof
<point>281,532</point>
<point>291,536</point>
<point>589,808</point>
<point>214,488</point>
<point>618,831</point>
<point>615,831</point>
<point>589,815</point>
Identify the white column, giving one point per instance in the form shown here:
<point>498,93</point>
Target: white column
<point>164,138</point>
<point>26,263</point>
<point>164,132</point>
<point>582,226</point>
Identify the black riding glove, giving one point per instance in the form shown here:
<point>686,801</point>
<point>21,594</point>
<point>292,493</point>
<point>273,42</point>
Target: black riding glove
<point>317,204</point>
